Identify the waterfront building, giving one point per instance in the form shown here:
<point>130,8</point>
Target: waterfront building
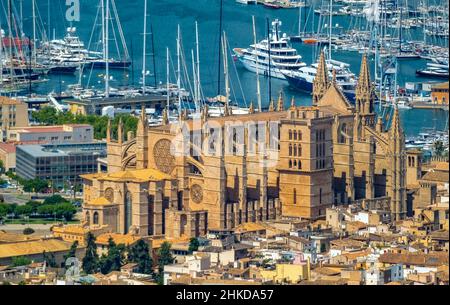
<point>13,113</point>
<point>299,162</point>
<point>61,164</point>
<point>67,133</point>
<point>439,94</point>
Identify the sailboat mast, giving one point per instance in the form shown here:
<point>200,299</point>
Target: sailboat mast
<point>10,40</point>
<point>258,88</point>
<point>144,51</point>
<point>197,78</point>
<point>102,5</point>
<point>270,61</point>
<point>34,30</point>
<point>299,20</point>
<point>106,43</point>
<point>153,57</point>
<point>179,68</point>
<point>168,76</point>
<point>220,42</point>
<point>194,74</point>
<point>331,30</point>
<point>225,68</point>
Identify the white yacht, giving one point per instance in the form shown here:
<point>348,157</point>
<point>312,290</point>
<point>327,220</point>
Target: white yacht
<point>282,56</point>
<point>246,1</point>
<point>303,78</point>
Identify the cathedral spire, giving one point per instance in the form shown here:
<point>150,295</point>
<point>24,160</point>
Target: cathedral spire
<point>364,91</point>
<point>142,123</point>
<point>364,83</point>
<point>120,131</point>
<point>280,104</point>
<point>396,128</point>
<point>251,109</point>
<point>108,131</point>
<point>271,106</point>
<point>165,117</point>
<point>292,102</point>
<point>320,84</point>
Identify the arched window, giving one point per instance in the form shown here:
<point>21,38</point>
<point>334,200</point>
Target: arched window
<point>300,136</point>
<point>87,217</point>
<point>295,150</point>
<point>295,135</point>
<point>299,150</point>
<point>290,163</point>
<point>295,197</point>
<point>342,136</point>
<point>290,149</point>
<point>290,134</point>
<point>128,211</point>
<point>95,218</point>
<point>299,164</point>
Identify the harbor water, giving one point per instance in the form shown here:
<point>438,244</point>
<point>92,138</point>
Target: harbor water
<point>166,15</point>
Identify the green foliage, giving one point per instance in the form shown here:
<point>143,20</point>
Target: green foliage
<point>114,259</point>
<point>49,116</point>
<point>55,199</point>
<point>34,185</point>
<point>3,209</point>
<point>20,261</point>
<point>49,259</point>
<point>66,210</point>
<point>439,149</point>
<point>2,167</point>
<point>164,258</point>
<point>72,251</point>
<point>24,210</point>
<point>193,244</point>
<point>140,254</point>
<point>28,231</point>
<point>90,262</point>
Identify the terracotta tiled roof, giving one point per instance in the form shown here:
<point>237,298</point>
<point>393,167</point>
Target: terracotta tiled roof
<point>436,176</point>
<point>33,247</point>
<point>141,175</point>
<point>125,239</point>
<point>418,259</point>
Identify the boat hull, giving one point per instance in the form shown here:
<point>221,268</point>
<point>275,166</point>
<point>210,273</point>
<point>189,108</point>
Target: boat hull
<point>434,75</point>
<point>301,84</point>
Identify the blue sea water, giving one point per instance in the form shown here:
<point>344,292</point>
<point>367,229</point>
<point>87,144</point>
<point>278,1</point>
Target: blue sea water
<point>166,15</point>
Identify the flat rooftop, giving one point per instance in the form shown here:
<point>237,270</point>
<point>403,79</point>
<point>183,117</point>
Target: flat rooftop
<point>61,150</point>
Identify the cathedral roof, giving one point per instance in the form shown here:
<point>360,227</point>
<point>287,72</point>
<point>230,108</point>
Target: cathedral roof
<point>100,201</point>
<point>336,100</point>
<point>139,175</point>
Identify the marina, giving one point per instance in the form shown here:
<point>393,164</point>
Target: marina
<point>187,70</point>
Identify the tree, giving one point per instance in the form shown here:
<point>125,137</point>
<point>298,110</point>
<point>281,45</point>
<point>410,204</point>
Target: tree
<point>20,261</point>
<point>2,166</point>
<point>164,258</point>
<point>139,253</point>
<point>3,209</point>
<point>114,259</point>
<point>66,210</point>
<point>439,148</point>
<point>28,231</point>
<point>55,199</point>
<point>90,261</point>
<point>193,244</point>
<point>50,260</point>
<point>72,251</point>
<point>24,210</point>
